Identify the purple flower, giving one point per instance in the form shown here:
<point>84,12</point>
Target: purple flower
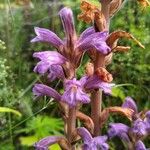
<point>140,146</point>
<point>129,103</point>
<point>74,93</point>
<point>45,35</point>
<point>73,47</point>
<point>91,143</point>
<point>44,90</point>
<point>138,129</point>
<point>120,130</point>
<point>94,40</point>
<point>94,82</point>
<point>46,142</point>
<point>47,59</point>
<point>55,71</point>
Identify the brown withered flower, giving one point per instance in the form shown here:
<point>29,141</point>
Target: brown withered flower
<point>144,3</point>
<point>104,74</point>
<point>88,12</point>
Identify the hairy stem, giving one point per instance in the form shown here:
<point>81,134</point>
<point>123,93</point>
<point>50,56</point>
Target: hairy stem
<point>71,125</point>
<point>96,97</point>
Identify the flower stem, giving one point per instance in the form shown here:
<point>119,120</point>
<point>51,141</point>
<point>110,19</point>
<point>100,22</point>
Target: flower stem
<point>96,97</point>
<point>71,125</point>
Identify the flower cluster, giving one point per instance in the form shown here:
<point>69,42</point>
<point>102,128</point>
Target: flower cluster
<point>63,63</point>
<point>139,129</point>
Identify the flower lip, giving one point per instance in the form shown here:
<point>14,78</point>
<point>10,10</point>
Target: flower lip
<point>45,35</point>
<point>74,93</point>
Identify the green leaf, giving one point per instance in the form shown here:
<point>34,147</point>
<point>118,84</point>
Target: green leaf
<point>117,92</point>
<point>9,110</point>
<point>28,140</point>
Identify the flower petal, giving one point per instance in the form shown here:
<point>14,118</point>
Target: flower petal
<point>56,71</point>
<point>95,41</point>
<point>74,93</point>
<point>45,35</point>
<point>101,142</point>
<point>44,90</point>
<point>129,103</point>
<point>138,129</point>
<point>140,146</point>
<point>46,142</point>
<point>94,82</point>
<point>85,134</point>
<point>116,129</point>
<point>48,58</point>
<point>66,16</point>
<point>89,31</point>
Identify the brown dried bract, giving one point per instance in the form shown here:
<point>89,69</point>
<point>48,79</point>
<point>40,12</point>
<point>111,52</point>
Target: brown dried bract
<point>121,49</point>
<point>87,121</point>
<point>88,12</point>
<point>115,36</point>
<point>122,111</point>
<point>144,3</point>
<point>104,74</point>
<point>115,5</point>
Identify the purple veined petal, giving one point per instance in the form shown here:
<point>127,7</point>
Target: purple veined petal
<point>73,95</point>
<point>42,67</point>
<point>44,90</point>
<point>138,129</point>
<point>52,56</point>
<point>101,142</point>
<point>94,82</point>
<point>129,103</point>
<point>116,129</point>
<point>56,71</point>
<point>46,142</point>
<point>95,41</point>
<point>140,146</point>
<point>48,58</point>
<point>101,46</point>
<point>66,16</point>
<point>45,35</point>
<point>89,31</point>
<point>85,135</point>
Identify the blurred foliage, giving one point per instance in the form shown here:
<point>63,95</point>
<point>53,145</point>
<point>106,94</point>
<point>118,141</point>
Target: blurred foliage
<point>17,21</point>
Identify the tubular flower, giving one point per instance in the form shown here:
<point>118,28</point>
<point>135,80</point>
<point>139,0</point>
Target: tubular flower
<point>44,143</point>
<point>94,82</point>
<point>140,146</point>
<point>118,129</point>
<point>73,47</point>
<point>44,90</point>
<point>47,59</point>
<point>139,128</point>
<point>74,93</point>
<point>91,143</point>
<point>129,103</point>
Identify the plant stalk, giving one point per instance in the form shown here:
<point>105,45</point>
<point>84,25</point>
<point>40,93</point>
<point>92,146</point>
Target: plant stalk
<point>96,95</point>
<point>71,125</point>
